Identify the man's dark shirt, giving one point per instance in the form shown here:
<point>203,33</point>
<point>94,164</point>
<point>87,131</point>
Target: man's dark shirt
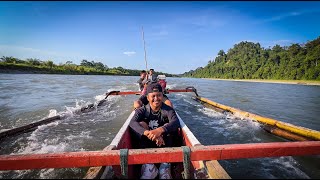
<point>155,120</point>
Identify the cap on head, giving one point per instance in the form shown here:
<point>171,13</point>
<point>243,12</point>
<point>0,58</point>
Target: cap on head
<point>154,87</point>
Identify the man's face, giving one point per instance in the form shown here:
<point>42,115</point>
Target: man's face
<point>155,99</point>
<point>143,75</point>
<point>151,72</point>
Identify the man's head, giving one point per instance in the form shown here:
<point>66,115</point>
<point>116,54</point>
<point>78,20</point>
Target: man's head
<point>143,74</point>
<point>154,95</point>
<point>151,71</point>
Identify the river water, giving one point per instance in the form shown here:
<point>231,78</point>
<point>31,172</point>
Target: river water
<point>26,98</point>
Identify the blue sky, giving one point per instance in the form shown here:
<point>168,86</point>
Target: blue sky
<point>180,36</point>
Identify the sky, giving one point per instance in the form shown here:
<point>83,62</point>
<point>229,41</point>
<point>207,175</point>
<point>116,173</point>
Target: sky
<point>179,35</point>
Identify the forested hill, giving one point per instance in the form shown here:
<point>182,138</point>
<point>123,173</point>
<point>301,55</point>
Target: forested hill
<point>248,60</point>
<point>31,65</point>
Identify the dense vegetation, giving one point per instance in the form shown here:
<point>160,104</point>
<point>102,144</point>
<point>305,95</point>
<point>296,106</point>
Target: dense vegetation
<point>15,65</point>
<point>248,60</point>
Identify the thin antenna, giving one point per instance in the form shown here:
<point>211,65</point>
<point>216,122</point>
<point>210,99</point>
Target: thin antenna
<point>145,53</point>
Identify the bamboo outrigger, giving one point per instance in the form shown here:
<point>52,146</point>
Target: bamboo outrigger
<point>191,159</point>
<point>299,132</point>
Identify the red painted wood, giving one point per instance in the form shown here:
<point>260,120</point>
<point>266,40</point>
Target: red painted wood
<point>157,155</point>
<point>138,92</point>
<point>125,93</point>
<point>180,90</point>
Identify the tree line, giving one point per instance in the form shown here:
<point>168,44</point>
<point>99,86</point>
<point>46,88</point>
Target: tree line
<point>33,65</point>
<point>248,60</point>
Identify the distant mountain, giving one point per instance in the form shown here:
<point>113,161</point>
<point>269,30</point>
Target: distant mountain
<point>248,60</point>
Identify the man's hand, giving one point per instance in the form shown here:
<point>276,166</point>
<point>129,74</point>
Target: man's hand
<point>160,141</point>
<point>154,134</point>
<point>146,133</point>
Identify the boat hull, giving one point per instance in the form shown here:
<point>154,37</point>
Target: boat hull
<point>125,140</point>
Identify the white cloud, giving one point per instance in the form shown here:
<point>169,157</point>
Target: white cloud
<point>289,14</point>
<point>156,32</point>
<point>282,16</point>
<point>129,53</point>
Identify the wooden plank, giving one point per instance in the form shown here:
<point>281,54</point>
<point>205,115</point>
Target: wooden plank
<point>215,170</point>
<point>125,93</point>
<point>306,132</point>
<point>87,108</point>
<point>285,134</point>
<point>96,172</point>
<point>158,155</point>
<point>179,90</point>
<point>28,127</point>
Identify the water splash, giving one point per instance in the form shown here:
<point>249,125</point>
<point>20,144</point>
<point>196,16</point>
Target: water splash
<point>211,113</point>
<point>52,112</point>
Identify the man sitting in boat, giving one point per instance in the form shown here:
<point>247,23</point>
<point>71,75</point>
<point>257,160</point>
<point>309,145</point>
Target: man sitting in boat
<point>150,78</point>
<point>143,100</point>
<point>142,80</point>
<point>156,125</point>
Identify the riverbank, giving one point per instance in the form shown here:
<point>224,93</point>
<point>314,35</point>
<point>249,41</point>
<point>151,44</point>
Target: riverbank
<point>300,82</point>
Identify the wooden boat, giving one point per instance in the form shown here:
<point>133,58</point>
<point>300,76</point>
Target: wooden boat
<point>200,162</point>
<point>123,140</point>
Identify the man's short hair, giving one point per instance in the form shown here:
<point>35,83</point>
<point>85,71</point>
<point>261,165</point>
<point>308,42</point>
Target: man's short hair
<point>154,87</point>
<point>151,69</point>
<point>143,71</point>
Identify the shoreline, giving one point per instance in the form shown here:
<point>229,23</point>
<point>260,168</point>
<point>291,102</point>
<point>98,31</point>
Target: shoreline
<point>298,82</point>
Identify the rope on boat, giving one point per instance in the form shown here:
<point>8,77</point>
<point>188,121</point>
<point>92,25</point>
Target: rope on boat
<point>124,163</point>
<point>186,162</point>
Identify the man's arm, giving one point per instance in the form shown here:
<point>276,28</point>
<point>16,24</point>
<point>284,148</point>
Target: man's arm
<point>174,123</point>
<point>172,126</point>
<point>140,81</point>
<point>134,123</point>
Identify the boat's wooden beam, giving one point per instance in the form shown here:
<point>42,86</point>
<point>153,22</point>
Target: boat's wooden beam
<point>302,131</point>
<point>32,126</point>
<point>158,155</point>
<point>179,90</point>
<point>285,134</point>
<point>139,92</point>
<point>28,127</point>
<point>124,92</point>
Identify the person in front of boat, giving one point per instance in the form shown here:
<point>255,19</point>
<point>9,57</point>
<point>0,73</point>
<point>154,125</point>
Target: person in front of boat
<point>152,77</point>
<point>156,125</point>
<point>142,80</point>
<point>143,100</point>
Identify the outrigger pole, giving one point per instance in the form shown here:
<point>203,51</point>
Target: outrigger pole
<point>273,126</point>
<point>145,52</point>
<point>33,126</point>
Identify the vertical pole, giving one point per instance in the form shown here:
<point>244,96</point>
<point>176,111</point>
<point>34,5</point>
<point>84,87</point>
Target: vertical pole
<point>145,53</point>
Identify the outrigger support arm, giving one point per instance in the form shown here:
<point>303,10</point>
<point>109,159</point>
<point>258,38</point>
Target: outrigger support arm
<point>188,89</point>
<point>172,154</point>
<point>193,89</point>
<point>33,126</point>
